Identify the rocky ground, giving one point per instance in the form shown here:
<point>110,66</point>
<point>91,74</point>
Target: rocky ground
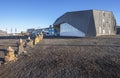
<point>68,58</point>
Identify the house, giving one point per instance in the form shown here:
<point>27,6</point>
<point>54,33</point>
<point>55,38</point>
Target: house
<point>86,23</point>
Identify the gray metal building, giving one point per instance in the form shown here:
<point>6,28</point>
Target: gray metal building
<point>118,29</point>
<point>86,23</point>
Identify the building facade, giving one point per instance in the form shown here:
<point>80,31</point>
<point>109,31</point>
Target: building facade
<point>3,33</point>
<point>86,23</point>
<point>118,29</point>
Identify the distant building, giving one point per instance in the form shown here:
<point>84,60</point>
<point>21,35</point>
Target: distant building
<point>46,31</point>
<point>50,31</point>
<point>118,29</point>
<point>86,23</point>
<point>30,30</point>
<point>3,33</point>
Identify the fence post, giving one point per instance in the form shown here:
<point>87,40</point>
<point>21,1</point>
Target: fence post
<point>10,56</point>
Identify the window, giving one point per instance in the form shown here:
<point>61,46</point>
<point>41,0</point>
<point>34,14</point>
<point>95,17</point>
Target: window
<point>103,13</point>
<point>100,30</point>
<point>103,26</point>
<point>109,32</point>
<point>103,31</point>
<point>67,28</point>
<point>103,20</point>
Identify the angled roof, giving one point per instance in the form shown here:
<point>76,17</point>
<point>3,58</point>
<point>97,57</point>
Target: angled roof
<point>78,19</point>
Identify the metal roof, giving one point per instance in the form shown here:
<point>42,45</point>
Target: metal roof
<point>78,19</point>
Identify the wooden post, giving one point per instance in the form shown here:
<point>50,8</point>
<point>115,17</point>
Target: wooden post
<point>29,42</point>
<point>41,36</point>
<point>35,40</point>
<point>21,46</point>
<point>38,38</point>
<point>10,55</point>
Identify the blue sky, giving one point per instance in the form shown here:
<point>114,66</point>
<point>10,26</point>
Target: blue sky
<point>23,14</point>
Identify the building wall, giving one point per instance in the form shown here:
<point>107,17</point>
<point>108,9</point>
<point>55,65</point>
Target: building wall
<point>91,30</point>
<point>68,30</point>
<point>3,33</point>
<point>30,30</point>
<point>104,23</point>
<point>118,29</point>
<point>89,23</point>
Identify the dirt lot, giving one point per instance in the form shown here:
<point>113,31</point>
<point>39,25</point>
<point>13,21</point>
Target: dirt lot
<point>67,58</point>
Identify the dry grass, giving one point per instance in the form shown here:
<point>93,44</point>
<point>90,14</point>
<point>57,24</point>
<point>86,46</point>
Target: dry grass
<point>67,58</point>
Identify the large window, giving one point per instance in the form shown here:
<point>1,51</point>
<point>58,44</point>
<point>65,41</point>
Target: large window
<point>69,30</point>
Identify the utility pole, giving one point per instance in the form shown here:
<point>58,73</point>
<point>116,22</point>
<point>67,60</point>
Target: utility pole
<point>11,30</point>
<point>15,30</point>
<point>6,31</point>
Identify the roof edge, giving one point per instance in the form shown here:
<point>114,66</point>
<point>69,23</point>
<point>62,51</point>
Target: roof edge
<point>89,10</point>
